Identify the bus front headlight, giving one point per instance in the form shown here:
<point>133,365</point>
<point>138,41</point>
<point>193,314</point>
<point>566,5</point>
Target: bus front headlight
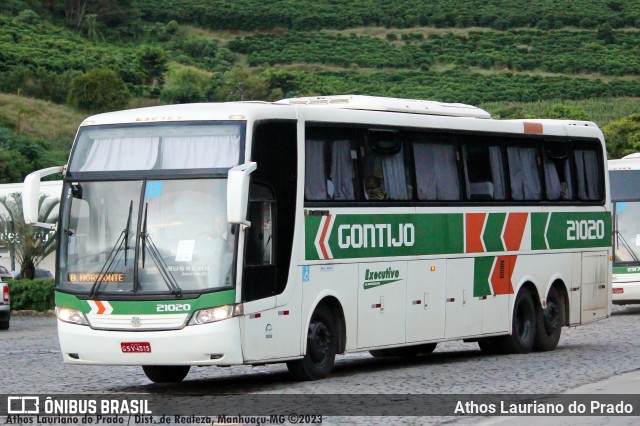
<point>72,316</point>
<point>205,316</point>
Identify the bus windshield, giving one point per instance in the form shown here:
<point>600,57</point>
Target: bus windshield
<point>627,232</point>
<point>145,236</point>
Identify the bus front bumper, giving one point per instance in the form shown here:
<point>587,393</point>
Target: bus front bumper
<point>216,343</point>
<point>625,292</point>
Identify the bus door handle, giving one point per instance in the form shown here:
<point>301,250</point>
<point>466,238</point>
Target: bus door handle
<point>464,297</point>
<point>379,305</point>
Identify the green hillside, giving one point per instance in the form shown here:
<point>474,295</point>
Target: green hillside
<point>60,61</point>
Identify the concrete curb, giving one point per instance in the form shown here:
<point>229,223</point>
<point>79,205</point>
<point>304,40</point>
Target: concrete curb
<point>32,313</point>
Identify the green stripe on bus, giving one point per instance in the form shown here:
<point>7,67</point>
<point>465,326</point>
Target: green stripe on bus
<point>482,267</point>
<point>626,269</point>
<point>130,307</point>
<point>352,236</point>
<point>492,235</point>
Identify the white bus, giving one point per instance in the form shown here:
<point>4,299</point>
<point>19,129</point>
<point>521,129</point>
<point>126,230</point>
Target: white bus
<point>253,232</point>
<point>625,197</point>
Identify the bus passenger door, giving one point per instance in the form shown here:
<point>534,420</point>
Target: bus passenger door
<point>426,280</point>
<point>381,303</point>
<point>463,310</point>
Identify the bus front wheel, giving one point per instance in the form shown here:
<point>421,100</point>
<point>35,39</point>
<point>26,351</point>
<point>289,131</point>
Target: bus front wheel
<point>322,344</point>
<point>523,327</point>
<point>166,373</point>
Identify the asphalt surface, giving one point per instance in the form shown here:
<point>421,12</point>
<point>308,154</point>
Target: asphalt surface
<point>591,359</point>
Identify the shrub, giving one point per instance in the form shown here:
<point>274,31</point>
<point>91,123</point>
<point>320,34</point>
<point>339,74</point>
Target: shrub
<point>98,90</point>
<point>37,295</point>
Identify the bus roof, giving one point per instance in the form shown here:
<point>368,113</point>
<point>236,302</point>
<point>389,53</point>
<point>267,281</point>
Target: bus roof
<point>353,109</point>
<point>628,162</point>
<point>376,103</point>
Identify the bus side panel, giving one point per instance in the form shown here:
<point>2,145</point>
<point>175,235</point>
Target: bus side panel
<point>426,280</point>
<point>595,291</point>
<point>575,292</point>
<point>332,280</point>
<point>382,303</point>
<point>463,310</point>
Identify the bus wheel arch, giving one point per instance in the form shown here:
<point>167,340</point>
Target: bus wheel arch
<point>551,318</point>
<point>325,338</point>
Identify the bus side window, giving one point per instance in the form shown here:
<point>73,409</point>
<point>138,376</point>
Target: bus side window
<point>523,173</point>
<point>329,170</point>
<point>436,168</point>
<point>484,171</point>
<point>557,171</point>
<point>385,172</point>
<point>259,246</point>
<point>588,173</point>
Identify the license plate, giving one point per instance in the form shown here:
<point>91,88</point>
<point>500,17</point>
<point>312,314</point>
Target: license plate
<point>130,347</point>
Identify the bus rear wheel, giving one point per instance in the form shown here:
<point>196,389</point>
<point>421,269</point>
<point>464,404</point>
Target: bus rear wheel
<point>322,344</point>
<point>523,326</point>
<point>549,323</point>
<point>166,373</point>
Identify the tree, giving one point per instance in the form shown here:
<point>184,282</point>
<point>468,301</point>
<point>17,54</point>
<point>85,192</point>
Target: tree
<point>152,61</point>
<point>187,85</point>
<point>29,244</point>
<point>242,84</point>
<point>623,136</point>
<point>98,90</point>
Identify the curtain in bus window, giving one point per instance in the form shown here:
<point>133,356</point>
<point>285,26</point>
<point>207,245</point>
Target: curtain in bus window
<point>523,171</point>
<point>552,180</point>
<point>568,180</point>
<point>497,173</point>
<point>436,171</point>
<point>121,154</point>
<point>315,181</point>
<point>395,181</point>
<point>342,170</point>
<point>587,172</point>
<point>200,152</point>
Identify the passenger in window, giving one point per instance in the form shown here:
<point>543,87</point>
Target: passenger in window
<point>564,190</point>
<point>374,189</point>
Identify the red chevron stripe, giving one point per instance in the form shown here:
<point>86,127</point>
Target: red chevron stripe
<point>473,230</point>
<point>501,275</point>
<point>101,307</point>
<point>514,230</point>
<point>323,236</point>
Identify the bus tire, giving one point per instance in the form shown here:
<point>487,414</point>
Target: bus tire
<point>166,373</point>
<point>322,345</point>
<point>549,323</point>
<point>523,326</point>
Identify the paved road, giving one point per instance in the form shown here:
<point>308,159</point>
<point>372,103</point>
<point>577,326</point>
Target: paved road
<point>585,355</point>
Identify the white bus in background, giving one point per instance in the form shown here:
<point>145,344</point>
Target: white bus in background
<point>253,232</point>
<point>624,175</point>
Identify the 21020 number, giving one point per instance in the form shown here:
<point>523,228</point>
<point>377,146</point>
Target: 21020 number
<point>585,230</point>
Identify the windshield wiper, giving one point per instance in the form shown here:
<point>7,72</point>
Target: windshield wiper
<point>113,255</point>
<point>157,258</point>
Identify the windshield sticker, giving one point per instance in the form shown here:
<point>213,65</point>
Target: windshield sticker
<point>153,189</point>
<point>111,277</point>
<point>184,252</point>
